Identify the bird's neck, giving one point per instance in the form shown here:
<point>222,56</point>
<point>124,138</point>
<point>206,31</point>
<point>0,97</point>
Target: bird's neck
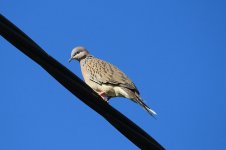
<point>85,60</point>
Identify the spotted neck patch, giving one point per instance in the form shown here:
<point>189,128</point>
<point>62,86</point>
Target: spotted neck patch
<point>86,60</point>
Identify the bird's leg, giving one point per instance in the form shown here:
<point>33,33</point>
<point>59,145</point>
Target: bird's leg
<point>103,96</point>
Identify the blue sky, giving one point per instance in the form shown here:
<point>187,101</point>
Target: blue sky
<point>175,52</point>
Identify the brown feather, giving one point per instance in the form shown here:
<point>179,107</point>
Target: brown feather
<point>103,72</point>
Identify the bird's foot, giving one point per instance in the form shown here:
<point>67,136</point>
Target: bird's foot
<point>104,96</point>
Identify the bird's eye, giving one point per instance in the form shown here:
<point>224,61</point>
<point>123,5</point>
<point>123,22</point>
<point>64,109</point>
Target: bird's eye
<point>76,53</point>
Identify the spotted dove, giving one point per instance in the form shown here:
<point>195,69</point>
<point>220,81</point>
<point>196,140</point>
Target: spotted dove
<point>106,79</point>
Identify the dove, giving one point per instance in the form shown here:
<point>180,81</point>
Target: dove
<point>106,79</point>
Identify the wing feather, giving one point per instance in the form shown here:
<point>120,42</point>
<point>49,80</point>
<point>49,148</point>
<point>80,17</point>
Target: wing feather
<point>103,72</point>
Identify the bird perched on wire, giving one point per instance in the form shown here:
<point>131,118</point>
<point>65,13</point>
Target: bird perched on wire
<point>106,79</point>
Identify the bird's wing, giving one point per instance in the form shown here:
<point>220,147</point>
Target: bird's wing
<point>103,72</point>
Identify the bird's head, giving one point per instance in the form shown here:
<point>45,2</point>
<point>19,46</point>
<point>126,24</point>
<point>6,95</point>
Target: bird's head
<point>79,53</point>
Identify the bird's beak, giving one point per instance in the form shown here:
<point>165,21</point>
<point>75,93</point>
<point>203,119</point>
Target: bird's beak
<point>70,60</point>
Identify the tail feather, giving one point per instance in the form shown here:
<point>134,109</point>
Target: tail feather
<point>134,96</point>
<point>148,109</point>
<point>140,101</point>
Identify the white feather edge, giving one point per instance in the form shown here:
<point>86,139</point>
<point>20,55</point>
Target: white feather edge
<point>122,92</point>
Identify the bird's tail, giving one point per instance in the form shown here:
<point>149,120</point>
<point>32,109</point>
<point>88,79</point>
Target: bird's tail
<point>140,101</point>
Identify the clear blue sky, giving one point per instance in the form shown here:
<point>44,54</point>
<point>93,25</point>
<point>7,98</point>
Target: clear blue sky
<point>174,51</point>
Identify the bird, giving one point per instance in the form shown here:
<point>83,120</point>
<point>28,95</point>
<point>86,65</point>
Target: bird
<point>106,79</point>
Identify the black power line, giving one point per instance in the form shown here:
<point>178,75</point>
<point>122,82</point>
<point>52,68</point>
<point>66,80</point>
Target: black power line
<point>76,86</point>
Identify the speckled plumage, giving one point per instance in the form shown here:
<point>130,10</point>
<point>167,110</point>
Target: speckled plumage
<point>102,72</point>
<point>106,79</point>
